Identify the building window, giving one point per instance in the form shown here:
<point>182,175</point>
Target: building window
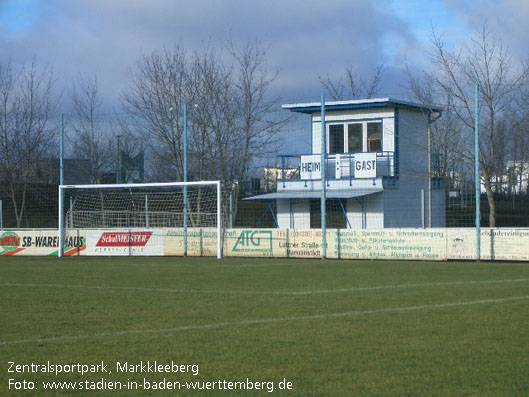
<point>354,138</point>
<point>336,138</point>
<point>357,138</point>
<point>334,217</point>
<point>315,213</point>
<point>374,137</point>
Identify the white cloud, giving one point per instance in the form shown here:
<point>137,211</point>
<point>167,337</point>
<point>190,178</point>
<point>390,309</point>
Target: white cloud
<point>506,20</point>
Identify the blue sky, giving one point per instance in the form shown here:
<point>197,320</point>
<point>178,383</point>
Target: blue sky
<point>305,38</point>
<point>18,16</point>
<point>423,16</point>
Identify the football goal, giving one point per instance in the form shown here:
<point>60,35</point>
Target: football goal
<point>140,218</point>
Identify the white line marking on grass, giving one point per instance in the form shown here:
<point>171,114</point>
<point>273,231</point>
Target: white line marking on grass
<point>235,292</point>
<point>285,264</point>
<point>265,321</point>
<point>381,287</point>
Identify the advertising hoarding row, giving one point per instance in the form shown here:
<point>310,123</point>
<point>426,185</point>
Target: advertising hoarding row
<point>392,244</point>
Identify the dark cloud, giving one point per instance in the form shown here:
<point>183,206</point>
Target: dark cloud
<point>304,38</point>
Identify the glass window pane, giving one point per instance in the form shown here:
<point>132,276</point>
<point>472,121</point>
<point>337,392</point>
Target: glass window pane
<point>374,137</point>
<point>315,213</point>
<point>336,138</point>
<point>334,216</point>
<point>354,140</point>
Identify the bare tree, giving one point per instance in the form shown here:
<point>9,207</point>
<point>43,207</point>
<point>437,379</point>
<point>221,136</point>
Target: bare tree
<point>154,98</point>
<point>352,85</point>
<point>256,129</point>
<point>230,118</point>
<point>483,60</point>
<point>26,136</point>
<point>446,140</point>
<point>93,139</point>
<point>519,167</point>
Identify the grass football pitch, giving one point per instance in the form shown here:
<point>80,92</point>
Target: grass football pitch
<point>201,326</point>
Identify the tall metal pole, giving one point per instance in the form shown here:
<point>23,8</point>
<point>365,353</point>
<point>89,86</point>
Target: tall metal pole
<point>71,214</point>
<point>429,169</point>
<point>61,151</point>
<point>118,174</point>
<point>61,223</point>
<point>146,210</point>
<point>231,208</point>
<point>476,171</point>
<point>422,209</point>
<point>323,181</point>
<point>184,108</point>
<point>61,182</point>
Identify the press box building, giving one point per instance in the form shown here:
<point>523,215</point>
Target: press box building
<point>377,169</point>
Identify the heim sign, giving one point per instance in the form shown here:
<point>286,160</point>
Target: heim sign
<point>310,167</point>
<point>365,165</point>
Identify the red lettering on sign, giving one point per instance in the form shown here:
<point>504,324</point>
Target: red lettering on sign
<point>10,241</point>
<point>124,239</point>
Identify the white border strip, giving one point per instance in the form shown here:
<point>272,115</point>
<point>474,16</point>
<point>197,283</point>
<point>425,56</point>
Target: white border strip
<point>138,185</point>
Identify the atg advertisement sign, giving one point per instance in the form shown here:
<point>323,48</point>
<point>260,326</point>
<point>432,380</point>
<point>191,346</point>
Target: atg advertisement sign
<point>250,242</point>
<point>254,241</point>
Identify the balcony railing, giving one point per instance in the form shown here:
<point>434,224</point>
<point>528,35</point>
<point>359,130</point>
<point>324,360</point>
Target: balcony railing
<point>343,166</point>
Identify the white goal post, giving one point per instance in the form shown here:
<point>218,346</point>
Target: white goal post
<point>173,206</point>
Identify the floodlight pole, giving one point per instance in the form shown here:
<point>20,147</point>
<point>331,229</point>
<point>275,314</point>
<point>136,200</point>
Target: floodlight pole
<point>184,109</point>
<point>476,171</point>
<point>323,181</point>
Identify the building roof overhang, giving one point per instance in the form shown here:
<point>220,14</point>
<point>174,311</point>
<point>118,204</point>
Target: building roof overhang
<point>314,107</point>
<point>313,194</point>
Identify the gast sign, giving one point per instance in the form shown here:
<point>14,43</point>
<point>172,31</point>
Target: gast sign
<point>365,165</point>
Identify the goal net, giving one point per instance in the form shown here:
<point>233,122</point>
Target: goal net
<point>180,218</point>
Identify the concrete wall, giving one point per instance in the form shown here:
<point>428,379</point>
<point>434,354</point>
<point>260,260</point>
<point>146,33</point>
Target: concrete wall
<point>366,212</point>
<point>403,200</point>
<point>293,214</point>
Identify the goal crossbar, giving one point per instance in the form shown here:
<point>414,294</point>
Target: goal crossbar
<point>184,185</point>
